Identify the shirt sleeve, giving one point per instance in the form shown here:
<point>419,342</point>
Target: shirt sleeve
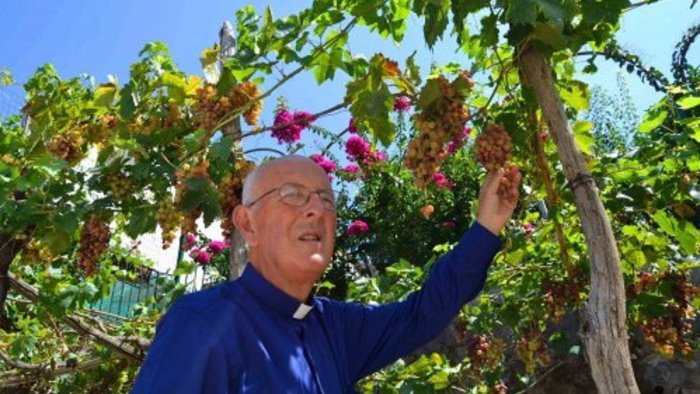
<point>376,336</point>
<point>185,357</point>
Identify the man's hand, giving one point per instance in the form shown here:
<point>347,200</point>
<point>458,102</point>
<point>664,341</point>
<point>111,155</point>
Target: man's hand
<point>494,210</point>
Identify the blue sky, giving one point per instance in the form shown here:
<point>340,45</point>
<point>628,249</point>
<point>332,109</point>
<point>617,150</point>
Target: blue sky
<point>104,37</point>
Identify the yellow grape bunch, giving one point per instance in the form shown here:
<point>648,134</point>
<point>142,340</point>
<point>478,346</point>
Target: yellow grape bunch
<point>210,107</point>
<point>231,188</point>
<point>441,122</point>
<point>169,219</point>
<point>94,241</point>
<point>68,146</point>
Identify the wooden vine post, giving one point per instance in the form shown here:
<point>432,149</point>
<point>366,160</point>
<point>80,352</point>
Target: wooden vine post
<point>603,331</point>
<point>238,254</point>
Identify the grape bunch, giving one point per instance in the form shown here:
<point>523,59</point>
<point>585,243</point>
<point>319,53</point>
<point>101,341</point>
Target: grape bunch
<point>493,147</point>
<point>35,251</point>
<point>667,334</point>
<point>169,219</point>
<point>121,187</point>
<point>438,124</point>
<point>231,188</point>
<point>507,189</point>
<point>94,240</point>
<point>483,352</point>
<point>562,293</point>
<point>210,108</point>
<point>68,146</point>
<point>532,350</point>
<point>244,93</point>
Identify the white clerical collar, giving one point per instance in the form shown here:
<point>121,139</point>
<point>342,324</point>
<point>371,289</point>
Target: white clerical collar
<point>302,311</point>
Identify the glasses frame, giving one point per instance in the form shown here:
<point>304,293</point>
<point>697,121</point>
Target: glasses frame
<point>308,193</point>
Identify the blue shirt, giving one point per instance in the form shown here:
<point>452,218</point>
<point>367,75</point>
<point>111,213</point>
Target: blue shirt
<point>247,336</point>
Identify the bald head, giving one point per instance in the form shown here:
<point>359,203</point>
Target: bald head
<point>258,180</point>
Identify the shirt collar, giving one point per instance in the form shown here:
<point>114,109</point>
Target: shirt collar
<point>271,296</point>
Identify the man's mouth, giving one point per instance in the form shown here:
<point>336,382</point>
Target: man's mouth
<point>311,236</point>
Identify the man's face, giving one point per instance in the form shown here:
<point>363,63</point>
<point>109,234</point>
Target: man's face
<point>296,242</point>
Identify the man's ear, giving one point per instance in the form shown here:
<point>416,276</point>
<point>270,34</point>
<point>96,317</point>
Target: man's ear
<point>242,220</point>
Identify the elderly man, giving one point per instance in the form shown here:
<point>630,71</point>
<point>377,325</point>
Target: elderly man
<point>266,333</point>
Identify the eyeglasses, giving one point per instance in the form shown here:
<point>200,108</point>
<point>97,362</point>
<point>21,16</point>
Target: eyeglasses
<point>298,195</point>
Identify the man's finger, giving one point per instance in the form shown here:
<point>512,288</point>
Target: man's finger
<point>493,179</point>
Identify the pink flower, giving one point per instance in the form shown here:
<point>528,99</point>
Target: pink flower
<point>190,238</point>
<point>543,135</point>
<point>303,118</point>
<point>458,142</point>
<point>528,228</point>
<point>328,165</point>
<point>190,241</point>
<point>351,168</point>
<point>378,156</point>
<point>441,181</point>
<point>357,148</point>
<point>402,104</point>
<point>357,227</point>
<point>217,246</point>
<point>200,256</point>
<point>283,128</point>
<point>351,126</point>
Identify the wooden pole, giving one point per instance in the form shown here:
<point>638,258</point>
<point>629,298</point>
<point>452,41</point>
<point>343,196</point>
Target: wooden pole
<point>238,254</point>
<point>603,331</point>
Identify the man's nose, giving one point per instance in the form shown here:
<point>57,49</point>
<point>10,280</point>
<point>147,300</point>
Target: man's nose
<point>315,205</point>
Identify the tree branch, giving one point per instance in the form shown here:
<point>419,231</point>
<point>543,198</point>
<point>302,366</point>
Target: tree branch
<point>13,378</point>
<point>117,344</point>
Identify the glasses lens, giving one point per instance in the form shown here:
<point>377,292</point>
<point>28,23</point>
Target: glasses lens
<point>293,195</point>
<point>328,200</point>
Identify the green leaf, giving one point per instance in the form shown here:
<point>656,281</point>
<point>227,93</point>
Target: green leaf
<point>489,31</point>
<point>128,101</point>
<point>429,93</point>
<point>211,210</point>
<point>105,94</point>
<point>549,35</point>
<point>522,11</point>
<point>221,150</point>
<point>694,163</point>
<point>684,232</point>
<point>177,85</point>
<point>435,20</point>
<point>141,221</point>
<point>576,95</point>
<point>689,102</point>
<point>67,221</point>
<point>582,136</point>
<point>652,121</point>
